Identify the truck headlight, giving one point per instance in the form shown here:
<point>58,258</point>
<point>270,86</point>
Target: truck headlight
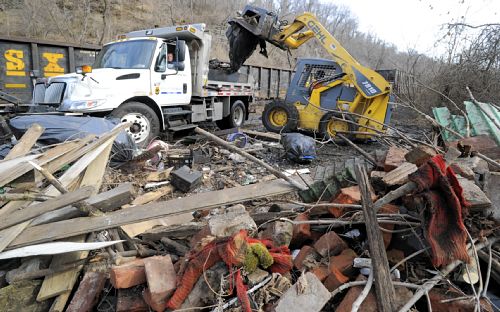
<point>83,105</point>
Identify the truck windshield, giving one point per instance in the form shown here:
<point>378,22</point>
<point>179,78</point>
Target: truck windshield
<point>126,54</point>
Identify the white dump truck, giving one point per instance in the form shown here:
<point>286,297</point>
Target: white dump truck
<point>159,79</point>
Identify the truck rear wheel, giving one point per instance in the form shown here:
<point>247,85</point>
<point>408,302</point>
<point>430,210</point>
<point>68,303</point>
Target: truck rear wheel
<point>280,117</point>
<point>236,117</point>
<point>145,123</point>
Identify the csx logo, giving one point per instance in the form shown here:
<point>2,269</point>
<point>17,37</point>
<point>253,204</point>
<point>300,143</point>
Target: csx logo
<point>15,64</point>
<point>317,31</point>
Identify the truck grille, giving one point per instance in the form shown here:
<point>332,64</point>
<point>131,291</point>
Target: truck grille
<point>53,94</point>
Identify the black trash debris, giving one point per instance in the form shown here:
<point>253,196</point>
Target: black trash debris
<point>298,147</point>
<point>59,128</point>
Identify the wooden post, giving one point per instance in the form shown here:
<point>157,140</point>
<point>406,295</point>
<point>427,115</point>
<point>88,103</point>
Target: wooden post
<point>233,148</point>
<point>383,285</point>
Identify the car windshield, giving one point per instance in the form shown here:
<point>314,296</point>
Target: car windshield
<point>126,54</point>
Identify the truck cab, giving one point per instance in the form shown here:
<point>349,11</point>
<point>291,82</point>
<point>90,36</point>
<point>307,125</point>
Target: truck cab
<point>157,79</point>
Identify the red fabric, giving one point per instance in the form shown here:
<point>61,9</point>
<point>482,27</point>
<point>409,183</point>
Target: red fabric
<point>230,251</point>
<point>443,195</point>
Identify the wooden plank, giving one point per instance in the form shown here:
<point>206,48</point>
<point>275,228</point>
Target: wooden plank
<point>265,135</point>
<point>386,295</point>
<point>94,164</point>
<point>26,142</point>
<point>62,229</point>
<point>399,176</point>
<point>106,201</point>
<point>88,292</point>
<point>49,205</point>
<point>52,285</point>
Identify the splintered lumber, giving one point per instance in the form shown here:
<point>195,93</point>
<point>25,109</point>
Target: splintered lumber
<point>399,175</point>
<point>393,195</point>
<point>49,205</point>
<point>135,229</point>
<point>26,142</point>
<point>88,292</point>
<point>262,135</point>
<point>23,197</point>
<point>94,163</point>
<point>62,229</point>
<point>106,201</point>
<point>239,151</point>
<point>384,288</point>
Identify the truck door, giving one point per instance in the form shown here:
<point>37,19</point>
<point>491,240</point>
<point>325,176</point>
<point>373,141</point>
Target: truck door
<point>171,79</point>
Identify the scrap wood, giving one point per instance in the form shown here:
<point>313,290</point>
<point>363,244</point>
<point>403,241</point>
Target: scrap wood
<point>62,229</point>
<point>54,248</point>
<point>24,197</point>
<point>38,209</point>
<point>26,142</point>
<point>380,265</point>
<point>427,286</point>
<point>235,149</point>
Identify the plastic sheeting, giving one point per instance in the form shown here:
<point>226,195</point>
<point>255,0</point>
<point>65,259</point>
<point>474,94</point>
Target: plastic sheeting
<point>60,128</point>
<point>298,147</point>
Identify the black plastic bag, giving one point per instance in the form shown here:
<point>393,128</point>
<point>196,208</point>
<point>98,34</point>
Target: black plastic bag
<point>60,128</point>
<point>298,147</point>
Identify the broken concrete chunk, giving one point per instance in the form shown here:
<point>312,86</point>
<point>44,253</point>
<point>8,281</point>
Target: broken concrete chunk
<point>491,190</point>
<point>234,219</point>
<point>475,163</point>
<point>395,157</point>
<point>256,277</point>
<point>307,294</point>
<point>279,232</point>
<point>21,297</point>
<point>420,155</point>
<point>473,195</point>
<point>330,244</point>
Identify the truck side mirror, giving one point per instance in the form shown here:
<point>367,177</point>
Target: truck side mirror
<point>180,50</point>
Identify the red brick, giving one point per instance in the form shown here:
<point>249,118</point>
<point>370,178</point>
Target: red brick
<point>330,244</point>
<point>347,195</point>
<point>301,232</point>
<point>130,301</point>
<point>394,256</point>
<point>436,295</point>
<point>395,157</point>
<point>335,279</point>
<point>343,262</point>
<point>388,209</point>
<point>321,272</point>
<point>128,275</point>
<point>160,275</point>
<point>306,253</point>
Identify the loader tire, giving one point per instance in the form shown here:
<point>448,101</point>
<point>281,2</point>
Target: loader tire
<point>328,126</point>
<point>145,123</point>
<point>280,117</point>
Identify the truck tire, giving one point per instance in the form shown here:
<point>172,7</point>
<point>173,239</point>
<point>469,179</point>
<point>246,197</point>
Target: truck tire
<point>145,123</point>
<point>280,117</point>
<point>236,117</point>
<point>328,126</point>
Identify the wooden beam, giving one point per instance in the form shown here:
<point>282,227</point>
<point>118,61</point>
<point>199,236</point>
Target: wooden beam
<point>67,228</point>
<point>386,295</point>
<point>49,205</point>
<point>26,142</point>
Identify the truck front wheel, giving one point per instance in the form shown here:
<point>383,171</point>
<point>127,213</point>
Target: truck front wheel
<point>236,117</point>
<point>145,123</point>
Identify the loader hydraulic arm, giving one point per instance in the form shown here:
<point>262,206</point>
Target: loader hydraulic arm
<point>366,80</point>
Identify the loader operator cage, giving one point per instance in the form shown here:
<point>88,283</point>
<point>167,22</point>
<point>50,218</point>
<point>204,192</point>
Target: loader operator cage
<point>315,72</point>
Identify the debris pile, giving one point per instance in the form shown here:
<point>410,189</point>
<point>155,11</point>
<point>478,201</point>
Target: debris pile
<point>221,225</point>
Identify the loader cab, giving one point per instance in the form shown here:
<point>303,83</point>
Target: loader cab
<point>310,73</point>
